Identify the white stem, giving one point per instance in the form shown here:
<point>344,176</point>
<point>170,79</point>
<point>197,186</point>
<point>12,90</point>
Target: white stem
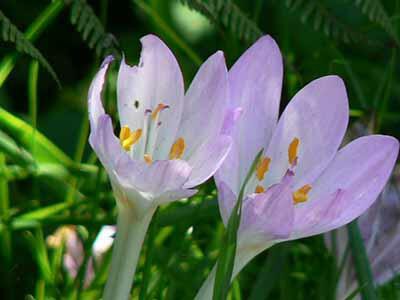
<point>243,256</point>
<point>130,235</point>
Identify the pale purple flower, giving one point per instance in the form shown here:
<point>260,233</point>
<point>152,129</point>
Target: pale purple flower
<point>303,185</point>
<point>74,254</point>
<point>169,141</point>
<point>380,229</point>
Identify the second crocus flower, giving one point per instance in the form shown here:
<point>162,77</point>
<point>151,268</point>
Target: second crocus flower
<point>302,185</point>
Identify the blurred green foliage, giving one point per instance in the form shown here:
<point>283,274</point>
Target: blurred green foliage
<point>49,176</point>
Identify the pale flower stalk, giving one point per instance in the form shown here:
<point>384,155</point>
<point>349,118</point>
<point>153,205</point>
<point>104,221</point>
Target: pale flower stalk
<point>169,142</point>
<point>303,185</point>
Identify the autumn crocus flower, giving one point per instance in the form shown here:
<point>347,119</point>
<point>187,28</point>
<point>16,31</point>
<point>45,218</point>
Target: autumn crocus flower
<point>302,185</point>
<point>74,254</point>
<point>169,142</point>
<point>380,230</point>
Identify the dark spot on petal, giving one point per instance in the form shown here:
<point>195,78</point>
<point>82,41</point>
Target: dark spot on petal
<point>136,103</point>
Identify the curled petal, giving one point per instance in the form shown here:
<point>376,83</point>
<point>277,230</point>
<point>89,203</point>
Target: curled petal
<point>107,146</point>
<point>155,179</point>
<point>95,105</point>
<point>268,216</point>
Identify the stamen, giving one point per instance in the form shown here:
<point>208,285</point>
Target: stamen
<point>128,137</point>
<point>124,133</point>
<point>159,108</point>
<point>262,167</point>
<point>148,159</point>
<point>301,195</point>
<point>260,189</point>
<point>292,151</point>
<point>177,149</point>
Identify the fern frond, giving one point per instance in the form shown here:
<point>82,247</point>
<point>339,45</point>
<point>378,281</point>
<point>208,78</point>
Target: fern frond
<point>376,12</point>
<point>10,33</point>
<point>92,31</point>
<point>229,14</point>
<point>316,13</point>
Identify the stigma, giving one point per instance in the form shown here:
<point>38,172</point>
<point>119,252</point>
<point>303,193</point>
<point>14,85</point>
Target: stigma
<point>177,149</point>
<point>128,137</point>
<point>301,195</point>
<point>160,107</point>
<point>293,150</point>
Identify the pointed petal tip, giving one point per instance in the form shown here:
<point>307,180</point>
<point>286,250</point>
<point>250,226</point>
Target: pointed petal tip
<point>109,59</point>
<point>151,40</point>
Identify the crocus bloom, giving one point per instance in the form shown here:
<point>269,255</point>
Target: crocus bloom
<point>169,142</point>
<point>74,252</point>
<point>302,185</point>
<point>380,229</point>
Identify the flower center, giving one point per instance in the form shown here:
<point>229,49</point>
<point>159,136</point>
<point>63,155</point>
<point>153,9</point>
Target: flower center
<point>151,124</point>
<point>128,137</point>
<point>300,195</point>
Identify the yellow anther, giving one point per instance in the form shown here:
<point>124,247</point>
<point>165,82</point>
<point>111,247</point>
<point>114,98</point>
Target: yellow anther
<point>128,137</point>
<point>177,149</point>
<point>301,195</point>
<point>124,133</point>
<point>148,159</point>
<point>293,149</point>
<point>259,189</point>
<point>262,167</point>
<point>159,108</point>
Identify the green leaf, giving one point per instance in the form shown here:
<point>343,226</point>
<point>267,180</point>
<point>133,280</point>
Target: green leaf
<point>92,30</point>
<point>376,12</point>
<point>39,252</point>
<point>361,262</point>
<point>270,273</point>
<point>17,154</point>
<point>226,258</point>
<point>32,33</point>
<point>44,150</point>
<point>322,18</point>
<point>228,14</point>
<point>10,33</point>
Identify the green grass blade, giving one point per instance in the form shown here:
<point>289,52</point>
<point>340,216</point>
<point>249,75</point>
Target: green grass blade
<point>361,262</point>
<point>5,233</point>
<point>226,258</point>
<point>45,150</point>
<point>270,272</point>
<point>32,33</point>
<point>32,91</point>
